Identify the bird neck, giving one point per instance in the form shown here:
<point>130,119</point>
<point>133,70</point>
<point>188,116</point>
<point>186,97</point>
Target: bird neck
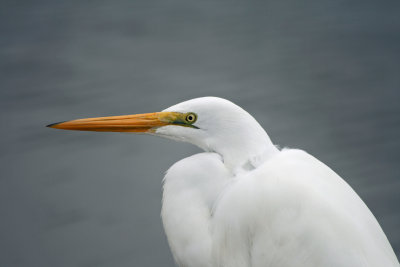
<point>243,154</point>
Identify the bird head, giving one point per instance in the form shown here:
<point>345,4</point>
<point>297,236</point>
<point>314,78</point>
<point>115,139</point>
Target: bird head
<point>211,123</point>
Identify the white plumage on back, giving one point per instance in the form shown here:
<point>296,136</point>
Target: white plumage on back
<point>291,211</point>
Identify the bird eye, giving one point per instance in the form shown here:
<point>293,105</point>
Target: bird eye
<point>191,117</point>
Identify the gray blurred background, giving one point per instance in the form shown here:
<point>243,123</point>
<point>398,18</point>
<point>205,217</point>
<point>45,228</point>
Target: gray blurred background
<point>319,75</point>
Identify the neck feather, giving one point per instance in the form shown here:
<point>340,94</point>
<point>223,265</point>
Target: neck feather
<point>244,150</point>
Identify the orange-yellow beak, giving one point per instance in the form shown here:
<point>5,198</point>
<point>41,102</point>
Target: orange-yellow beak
<point>139,123</point>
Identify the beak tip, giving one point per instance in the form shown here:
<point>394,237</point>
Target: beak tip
<point>54,124</point>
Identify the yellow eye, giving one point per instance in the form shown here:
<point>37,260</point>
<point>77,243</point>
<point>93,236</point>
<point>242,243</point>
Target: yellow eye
<point>191,117</point>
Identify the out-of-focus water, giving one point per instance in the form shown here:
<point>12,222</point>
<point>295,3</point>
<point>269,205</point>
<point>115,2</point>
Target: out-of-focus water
<point>323,76</point>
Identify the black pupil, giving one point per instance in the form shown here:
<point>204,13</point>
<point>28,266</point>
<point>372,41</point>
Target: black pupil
<point>190,118</point>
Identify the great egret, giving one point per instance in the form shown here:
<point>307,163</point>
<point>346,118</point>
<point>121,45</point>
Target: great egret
<point>243,202</point>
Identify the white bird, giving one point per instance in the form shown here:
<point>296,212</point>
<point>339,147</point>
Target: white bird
<point>245,203</point>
